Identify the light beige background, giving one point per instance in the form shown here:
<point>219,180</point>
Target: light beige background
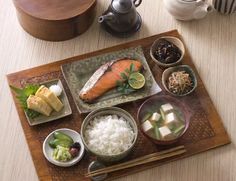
<point>211,42</point>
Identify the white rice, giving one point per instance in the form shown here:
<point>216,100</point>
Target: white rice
<point>109,135</point>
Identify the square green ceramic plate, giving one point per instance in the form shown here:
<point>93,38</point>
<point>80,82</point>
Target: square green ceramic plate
<point>66,110</point>
<point>77,74</point>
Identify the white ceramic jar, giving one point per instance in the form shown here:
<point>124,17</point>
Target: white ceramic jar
<point>188,9</point>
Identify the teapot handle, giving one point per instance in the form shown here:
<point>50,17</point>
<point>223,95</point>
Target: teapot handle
<point>137,3</point>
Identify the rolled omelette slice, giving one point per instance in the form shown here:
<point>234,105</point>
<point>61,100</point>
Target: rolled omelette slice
<point>39,105</point>
<point>49,97</point>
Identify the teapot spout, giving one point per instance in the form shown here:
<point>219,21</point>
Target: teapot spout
<point>202,11</point>
<point>107,17</point>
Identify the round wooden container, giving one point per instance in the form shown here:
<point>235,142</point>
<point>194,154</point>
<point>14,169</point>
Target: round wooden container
<point>55,20</point>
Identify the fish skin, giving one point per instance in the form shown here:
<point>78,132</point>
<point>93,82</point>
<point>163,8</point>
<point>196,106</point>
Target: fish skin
<point>105,78</point>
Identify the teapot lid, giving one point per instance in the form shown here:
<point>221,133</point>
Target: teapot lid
<point>122,6</point>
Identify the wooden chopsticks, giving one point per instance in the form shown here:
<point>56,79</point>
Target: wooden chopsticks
<point>139,161</point>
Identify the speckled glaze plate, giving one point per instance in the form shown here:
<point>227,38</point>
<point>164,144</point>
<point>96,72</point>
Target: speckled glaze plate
<point>77,74</point>
<point>66,110</point>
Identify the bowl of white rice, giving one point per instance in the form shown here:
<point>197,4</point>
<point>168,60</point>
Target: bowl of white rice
<point>109,133</point>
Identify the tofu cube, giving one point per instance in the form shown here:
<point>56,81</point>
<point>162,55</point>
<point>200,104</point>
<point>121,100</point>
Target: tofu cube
<point>148,128</point>
<point>172,121</point>
<point>155,118</point>
<point>166,133</point>
<point>165,109</point>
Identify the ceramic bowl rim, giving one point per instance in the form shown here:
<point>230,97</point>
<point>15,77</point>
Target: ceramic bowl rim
<point>163,80</point>
<point>70,162</point>
<point>88,118</point>
<point>167,64</point>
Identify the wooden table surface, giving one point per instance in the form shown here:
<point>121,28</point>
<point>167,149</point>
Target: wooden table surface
<point>211,42</point>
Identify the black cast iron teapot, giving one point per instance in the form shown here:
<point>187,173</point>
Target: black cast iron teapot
<point>121,16</point>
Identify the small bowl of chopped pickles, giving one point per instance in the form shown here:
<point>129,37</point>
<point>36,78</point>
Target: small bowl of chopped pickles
<point>163,119</point>
<point>167,51</point>
<point>63,147</point>
<point>179,80</point>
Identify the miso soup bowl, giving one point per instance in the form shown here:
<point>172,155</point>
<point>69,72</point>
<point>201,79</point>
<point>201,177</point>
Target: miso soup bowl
<point>109,111</point>
<point>153,104</point>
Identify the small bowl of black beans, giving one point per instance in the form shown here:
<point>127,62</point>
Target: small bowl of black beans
<point>167,51</point>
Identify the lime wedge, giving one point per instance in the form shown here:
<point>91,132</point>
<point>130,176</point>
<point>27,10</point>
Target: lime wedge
<point>136,80</point>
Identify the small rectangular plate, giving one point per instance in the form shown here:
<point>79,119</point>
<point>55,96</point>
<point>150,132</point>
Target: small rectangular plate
<point>66,110</point>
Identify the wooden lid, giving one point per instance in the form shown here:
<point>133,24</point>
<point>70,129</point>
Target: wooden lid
<point>54,9</point>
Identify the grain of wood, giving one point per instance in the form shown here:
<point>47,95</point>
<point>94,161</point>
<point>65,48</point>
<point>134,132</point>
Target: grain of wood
<point>211,42</point>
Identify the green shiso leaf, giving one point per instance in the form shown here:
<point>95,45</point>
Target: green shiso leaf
<point>127,71</point>
<point>22,96</point>
<point>123,86</point>
<point>124,76</point>
<point>132,68</point>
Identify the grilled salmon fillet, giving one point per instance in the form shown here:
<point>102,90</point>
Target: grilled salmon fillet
<point>106,77</point>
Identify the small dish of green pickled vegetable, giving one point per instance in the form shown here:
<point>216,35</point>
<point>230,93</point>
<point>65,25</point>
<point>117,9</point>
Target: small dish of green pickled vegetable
<point>63,147</point>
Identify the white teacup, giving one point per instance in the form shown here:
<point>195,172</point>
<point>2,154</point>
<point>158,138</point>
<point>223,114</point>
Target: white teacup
<point>225,6</point>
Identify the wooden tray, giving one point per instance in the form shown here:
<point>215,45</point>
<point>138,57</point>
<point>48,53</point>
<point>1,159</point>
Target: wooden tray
<point>206,130</point>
